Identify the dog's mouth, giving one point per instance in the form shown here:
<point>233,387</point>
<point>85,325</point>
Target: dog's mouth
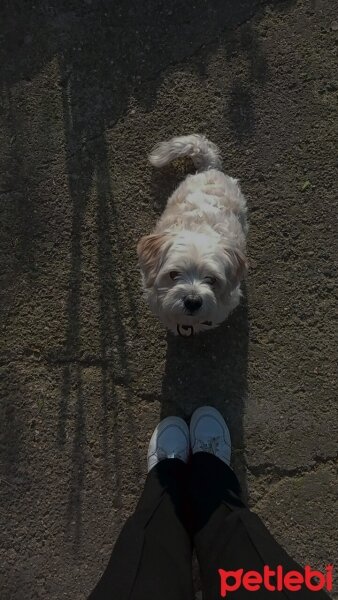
<point>188,330</point>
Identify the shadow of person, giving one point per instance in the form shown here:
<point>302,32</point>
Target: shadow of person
<point>211,369</point>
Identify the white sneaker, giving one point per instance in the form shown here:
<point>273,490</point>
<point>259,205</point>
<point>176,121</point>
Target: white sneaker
<point>209,433</point>
<point>169,440</point>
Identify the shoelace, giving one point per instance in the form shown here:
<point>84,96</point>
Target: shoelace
<point>161,453</point>
<point>211,445</point>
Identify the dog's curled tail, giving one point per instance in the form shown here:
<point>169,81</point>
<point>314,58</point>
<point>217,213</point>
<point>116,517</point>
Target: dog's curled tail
<point>204,154</point>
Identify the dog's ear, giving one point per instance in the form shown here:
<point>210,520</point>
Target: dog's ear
<point>151,250</point>
<point>236,265</point>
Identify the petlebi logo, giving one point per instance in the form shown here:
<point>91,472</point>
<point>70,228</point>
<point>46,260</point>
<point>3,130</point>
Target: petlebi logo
<point>277,579</point>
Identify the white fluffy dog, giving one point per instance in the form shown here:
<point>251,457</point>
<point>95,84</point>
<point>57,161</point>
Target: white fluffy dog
<point>193,262</point>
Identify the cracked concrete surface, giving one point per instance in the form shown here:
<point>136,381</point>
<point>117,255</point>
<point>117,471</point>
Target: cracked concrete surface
<point>87,88</point>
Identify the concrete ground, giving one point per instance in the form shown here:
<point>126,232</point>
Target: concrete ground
<point>87,87</point>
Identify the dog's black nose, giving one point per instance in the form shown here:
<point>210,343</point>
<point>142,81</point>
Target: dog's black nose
<point>193,303</point>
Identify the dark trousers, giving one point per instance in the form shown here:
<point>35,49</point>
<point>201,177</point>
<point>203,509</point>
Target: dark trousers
<point>184,506</point>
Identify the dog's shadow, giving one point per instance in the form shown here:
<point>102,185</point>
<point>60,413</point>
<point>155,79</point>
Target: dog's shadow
<point>211,368</point>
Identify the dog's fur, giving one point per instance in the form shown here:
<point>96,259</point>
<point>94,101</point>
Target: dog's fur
<point>198,246</point>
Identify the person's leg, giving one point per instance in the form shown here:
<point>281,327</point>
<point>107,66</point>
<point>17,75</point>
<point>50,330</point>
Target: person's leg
<point>152,556</point>
<point>227,535</point>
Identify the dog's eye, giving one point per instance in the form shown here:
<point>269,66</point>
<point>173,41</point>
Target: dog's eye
<point>210,280</point>
<point>174,274</point>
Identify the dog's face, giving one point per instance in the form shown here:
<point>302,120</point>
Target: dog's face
<point>190,278</point>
